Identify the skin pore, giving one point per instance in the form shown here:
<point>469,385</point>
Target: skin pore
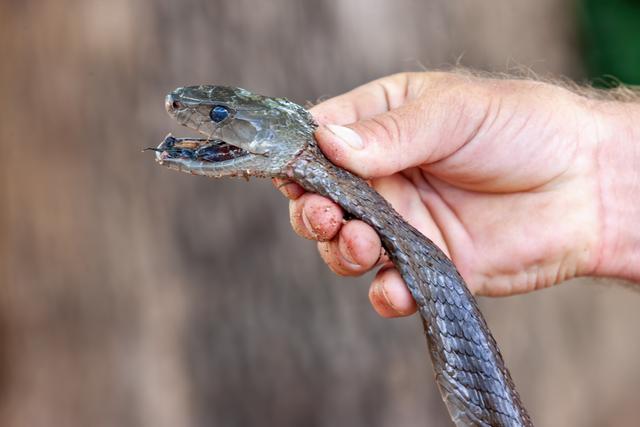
<point>524,184</point>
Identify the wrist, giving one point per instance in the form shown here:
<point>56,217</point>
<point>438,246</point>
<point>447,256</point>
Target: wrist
<point>618,160</point>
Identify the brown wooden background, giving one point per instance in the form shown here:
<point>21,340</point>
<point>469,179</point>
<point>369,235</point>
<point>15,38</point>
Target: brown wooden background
<point>135,296</point>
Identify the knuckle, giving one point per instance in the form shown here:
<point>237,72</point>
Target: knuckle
<point>386,128</point>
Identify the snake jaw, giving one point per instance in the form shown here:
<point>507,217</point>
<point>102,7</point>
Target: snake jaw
<point>243,134</point>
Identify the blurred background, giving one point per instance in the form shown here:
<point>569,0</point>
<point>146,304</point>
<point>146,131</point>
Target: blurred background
<point>132,295</point>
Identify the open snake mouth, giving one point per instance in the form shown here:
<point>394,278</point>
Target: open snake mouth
<point>197,149</point>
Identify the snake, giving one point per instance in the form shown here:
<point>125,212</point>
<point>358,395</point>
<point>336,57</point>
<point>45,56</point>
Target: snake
<point>251,135</point>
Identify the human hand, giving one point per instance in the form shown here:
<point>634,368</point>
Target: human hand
<point>503,175</point>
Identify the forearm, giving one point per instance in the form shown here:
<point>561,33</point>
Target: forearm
<point>618,160</point>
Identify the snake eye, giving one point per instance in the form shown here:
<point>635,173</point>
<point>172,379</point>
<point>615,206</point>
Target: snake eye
<point>219,113</point>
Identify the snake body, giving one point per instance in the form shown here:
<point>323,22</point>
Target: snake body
<point>254,135</point>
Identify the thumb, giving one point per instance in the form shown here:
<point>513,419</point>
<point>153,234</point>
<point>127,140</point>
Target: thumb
<point>420,132</point>
<point>379,146</point>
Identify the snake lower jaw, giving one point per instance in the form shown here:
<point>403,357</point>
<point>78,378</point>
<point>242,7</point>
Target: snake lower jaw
<point>210,157</point>
<point>197,149</point>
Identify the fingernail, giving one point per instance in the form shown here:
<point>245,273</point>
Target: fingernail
<point>381,301</point>
<point>345,251</point>
<point>307,224</point>
<point>383,293</point>
<point>349,136</point>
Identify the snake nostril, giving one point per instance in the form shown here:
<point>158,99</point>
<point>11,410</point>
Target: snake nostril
<point>171,104</point>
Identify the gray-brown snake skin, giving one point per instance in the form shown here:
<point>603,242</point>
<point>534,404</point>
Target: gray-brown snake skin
<point>469,369</point>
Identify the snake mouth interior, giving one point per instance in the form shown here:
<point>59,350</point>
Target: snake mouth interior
<point>197,149</point>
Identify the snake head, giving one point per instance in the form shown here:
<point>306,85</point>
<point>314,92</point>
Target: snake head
<point>245,134</point>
